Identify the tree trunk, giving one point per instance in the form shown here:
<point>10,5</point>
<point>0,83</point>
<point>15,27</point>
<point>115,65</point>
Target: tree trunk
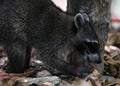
<point>98,10</point>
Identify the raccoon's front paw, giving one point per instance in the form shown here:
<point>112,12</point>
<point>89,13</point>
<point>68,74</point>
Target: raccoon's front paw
<point>80,71</point>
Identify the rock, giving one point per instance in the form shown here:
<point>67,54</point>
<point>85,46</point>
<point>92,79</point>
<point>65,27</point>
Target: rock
<point>51,79</point>
<point>43,73</point>
<point>23,81</point>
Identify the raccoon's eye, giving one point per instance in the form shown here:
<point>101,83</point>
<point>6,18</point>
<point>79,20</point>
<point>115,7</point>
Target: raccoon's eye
<point>91,46</point>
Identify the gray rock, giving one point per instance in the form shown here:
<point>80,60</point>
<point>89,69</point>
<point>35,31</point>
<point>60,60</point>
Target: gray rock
<point>52,79</point>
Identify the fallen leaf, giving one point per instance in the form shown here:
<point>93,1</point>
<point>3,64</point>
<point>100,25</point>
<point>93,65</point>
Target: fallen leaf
<point>95,72</point>
<point>47,84</point>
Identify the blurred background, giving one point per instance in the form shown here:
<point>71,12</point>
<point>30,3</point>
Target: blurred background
<point>115,14</point>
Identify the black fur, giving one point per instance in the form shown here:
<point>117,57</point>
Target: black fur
<point>61,41</point>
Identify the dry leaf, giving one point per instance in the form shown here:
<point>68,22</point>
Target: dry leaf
<point>115,81</point>
<point>47,84</point>
<point>95,72</point>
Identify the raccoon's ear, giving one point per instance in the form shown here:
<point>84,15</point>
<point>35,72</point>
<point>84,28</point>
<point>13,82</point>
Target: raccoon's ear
<point>79,20</point>
<point>85,17</point>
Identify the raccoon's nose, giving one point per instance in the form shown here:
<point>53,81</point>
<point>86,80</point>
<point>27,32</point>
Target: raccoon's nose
<point>95,58</point>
